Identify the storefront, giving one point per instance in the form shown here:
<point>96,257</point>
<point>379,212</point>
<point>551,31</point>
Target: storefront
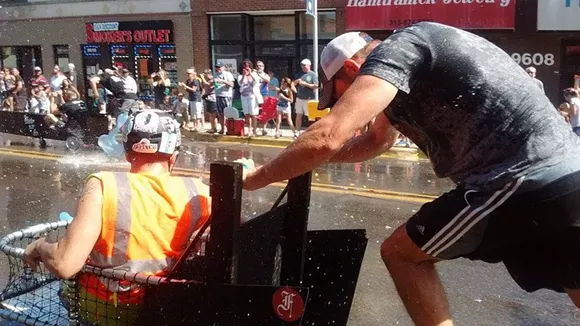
<point>142,35</point>
<point>280,40</point>
<point>538,33</point>
<point>142,47</point>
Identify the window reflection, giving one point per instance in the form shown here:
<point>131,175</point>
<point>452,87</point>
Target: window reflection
<point>276,28</point>
<point>326,25</point>
<point>226,27</point>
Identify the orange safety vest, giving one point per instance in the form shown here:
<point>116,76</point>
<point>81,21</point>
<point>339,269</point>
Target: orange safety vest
<point>147,221</point>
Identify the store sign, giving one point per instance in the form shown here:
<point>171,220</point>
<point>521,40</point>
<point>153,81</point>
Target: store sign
<point>558,15</point>
<point>393,14</point>
<point>130,32</point>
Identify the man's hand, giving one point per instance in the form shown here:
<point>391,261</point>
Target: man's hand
<point>32,255</point>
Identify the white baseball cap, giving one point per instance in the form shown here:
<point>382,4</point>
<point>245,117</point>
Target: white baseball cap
<point>332,59</point>
<point>306,62</point>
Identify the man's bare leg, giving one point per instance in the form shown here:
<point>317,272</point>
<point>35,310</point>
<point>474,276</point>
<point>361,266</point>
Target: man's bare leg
<point>298,121</point>
<point>574,294</point>
<point>416,279</point>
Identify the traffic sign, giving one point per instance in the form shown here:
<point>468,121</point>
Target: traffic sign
<point>310,8</point>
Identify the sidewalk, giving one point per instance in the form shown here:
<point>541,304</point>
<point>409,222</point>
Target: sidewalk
<point>400,152</point>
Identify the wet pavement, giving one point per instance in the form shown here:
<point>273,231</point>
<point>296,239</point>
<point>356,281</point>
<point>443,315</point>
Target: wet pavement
<point>36,189</point>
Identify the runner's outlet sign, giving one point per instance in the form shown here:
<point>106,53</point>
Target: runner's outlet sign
<point>160,31</point>
<point>393,14</point>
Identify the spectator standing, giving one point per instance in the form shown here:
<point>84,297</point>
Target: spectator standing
<point>264,78</point>
<point>210,99</point>
<point>249,89</point>
<point>273,85</point>
<point>180,109</point>
<point>72,75</point>
<point>67,85</point>
<point>2,87</point>
<point>161,86</point>
<point>18,91</point>
<point>306,83</point>
<point>193,87</point>
<point>56,79</point>
<point>532,73</point>
<point>224,91</point>
<point>39,78</point>
<point>285,97</point>
<point>571,97</point>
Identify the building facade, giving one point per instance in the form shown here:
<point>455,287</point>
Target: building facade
<point>278,32</point>
<point>141,36</point>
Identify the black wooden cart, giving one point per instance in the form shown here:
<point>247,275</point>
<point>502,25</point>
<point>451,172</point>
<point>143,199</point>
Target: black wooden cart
<point>268,271</point>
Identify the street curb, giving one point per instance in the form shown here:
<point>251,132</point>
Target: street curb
<point>403,153</point>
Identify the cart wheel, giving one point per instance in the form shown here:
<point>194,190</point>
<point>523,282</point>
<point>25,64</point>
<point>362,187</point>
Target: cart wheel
<point>269,128</point>
<point>73,143</point>
<point>42,143</point>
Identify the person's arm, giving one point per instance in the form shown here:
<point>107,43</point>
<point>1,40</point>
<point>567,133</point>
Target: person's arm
<point>74,89</point>
<point>94,81</point>
<point>18,86</point>
<point>377,140</point>
<point>228,81</point>
<point>328,135</point>
<point>307,85</point>
<point>66,258</point>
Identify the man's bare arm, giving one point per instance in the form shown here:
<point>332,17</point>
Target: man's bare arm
<point>66,257</point>
<point>94,82</point>
<point>377,140</point>
<point>364,100</point>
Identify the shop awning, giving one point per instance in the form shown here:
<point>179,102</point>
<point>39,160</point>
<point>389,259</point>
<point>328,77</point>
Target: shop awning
<point>393,14</point>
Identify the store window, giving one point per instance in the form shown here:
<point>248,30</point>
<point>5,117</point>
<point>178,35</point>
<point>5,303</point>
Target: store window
<point>24,58</point>
<point>275,50</point>
<point>230,55</point>
<point>9,57</point>
<point>61,57</point>
<point>307,52</point>
<point>326,25</point>
<point>274,28</point>
<point>227,27</point>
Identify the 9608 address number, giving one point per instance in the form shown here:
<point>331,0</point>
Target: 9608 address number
<point>536,59</point>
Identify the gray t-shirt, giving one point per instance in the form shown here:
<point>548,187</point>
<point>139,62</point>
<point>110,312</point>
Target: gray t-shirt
<point>221,89</point>
<point>305,93</point>
<point>477,115</point>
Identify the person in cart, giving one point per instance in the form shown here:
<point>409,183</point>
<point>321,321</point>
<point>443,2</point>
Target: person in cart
<point>114,226</point>
<point>121,100</point>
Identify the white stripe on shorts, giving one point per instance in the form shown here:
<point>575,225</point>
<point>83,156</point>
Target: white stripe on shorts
<point>436,245</point>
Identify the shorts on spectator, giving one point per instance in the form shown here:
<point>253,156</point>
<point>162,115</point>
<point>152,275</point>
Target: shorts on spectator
<point>210,107</point>
<point>249,105</point>
<point>195,109</point>
<point>284,109</point>
<point>301,106</point>
<point>222,103</point>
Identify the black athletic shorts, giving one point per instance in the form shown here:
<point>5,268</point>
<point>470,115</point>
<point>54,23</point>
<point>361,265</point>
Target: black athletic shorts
<point>536,234</point>
<point>222,103</point>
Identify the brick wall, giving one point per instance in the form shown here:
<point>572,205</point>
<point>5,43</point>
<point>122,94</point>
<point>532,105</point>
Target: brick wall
<point>200,24</point>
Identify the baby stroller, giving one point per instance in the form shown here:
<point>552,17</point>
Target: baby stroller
<point>267,117</point>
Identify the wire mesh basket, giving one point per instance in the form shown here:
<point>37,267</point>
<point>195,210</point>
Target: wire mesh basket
<point>93,297</point>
